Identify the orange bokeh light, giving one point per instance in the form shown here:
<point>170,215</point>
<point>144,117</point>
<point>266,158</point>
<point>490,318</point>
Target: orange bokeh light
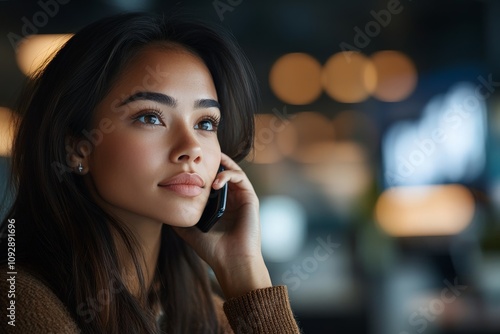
<point>36,50</point>
<point>348,77</point>
<point>295,78</point>
<point>425,210</point>
<point>274,138</point>
<point>7,129</point>
<point>396,76</point>
<point>312,128</point>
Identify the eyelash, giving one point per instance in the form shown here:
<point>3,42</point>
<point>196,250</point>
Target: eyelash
<point>148,112</point>
<point>214,118</point>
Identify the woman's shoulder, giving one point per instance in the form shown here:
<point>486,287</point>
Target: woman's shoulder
<point>32,307</point>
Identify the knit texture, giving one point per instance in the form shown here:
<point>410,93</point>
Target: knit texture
<point>38,310</point>
<point>262,311</point>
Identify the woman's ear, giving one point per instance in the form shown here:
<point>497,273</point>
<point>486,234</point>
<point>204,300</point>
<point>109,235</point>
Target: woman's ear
<point>77,154</point>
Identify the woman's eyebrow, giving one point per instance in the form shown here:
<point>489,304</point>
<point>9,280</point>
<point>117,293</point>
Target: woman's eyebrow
<point>169,100</point>
<point>206,103</point>
<point>151,96</point>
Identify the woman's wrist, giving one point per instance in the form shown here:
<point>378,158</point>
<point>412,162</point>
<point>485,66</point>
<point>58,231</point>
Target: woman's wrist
<point>244,277</point>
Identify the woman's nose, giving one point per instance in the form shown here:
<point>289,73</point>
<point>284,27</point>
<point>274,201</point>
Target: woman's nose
<point>186,147</point>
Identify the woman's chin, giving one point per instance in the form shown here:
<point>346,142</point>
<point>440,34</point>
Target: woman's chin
<point>181,222</point>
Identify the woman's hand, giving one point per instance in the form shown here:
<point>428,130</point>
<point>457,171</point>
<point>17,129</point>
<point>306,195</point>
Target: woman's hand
<point>233,246</point>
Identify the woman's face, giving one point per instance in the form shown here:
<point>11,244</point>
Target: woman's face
<point>158,152</point>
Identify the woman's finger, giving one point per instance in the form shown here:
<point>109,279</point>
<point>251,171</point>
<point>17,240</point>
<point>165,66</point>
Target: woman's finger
<point>229,163</point>
<point>232,173</point>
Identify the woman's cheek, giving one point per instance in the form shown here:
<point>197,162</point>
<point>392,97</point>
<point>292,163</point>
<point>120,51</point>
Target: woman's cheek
<point>127,157</point>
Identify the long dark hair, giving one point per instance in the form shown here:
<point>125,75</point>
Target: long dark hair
<point>62,235</point>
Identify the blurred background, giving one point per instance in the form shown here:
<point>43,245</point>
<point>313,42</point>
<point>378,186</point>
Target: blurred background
<point>376,159</point>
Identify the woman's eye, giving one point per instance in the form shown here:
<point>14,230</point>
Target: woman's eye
<point>150,119</point>
<point>206,124</point>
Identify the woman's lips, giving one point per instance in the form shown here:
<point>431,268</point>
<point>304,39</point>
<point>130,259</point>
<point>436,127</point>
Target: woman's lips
<point>184,184</point>
<point>185,189</point>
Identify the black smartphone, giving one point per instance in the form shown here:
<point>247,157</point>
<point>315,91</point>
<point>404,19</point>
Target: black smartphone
<point>215,207</point>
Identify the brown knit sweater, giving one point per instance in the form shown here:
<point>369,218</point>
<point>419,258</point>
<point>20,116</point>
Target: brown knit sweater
<point>38,310</point>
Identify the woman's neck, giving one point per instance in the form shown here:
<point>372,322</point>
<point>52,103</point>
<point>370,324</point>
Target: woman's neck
<point>148,237</point>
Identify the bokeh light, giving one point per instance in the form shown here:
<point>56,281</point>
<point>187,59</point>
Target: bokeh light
<point>312,128</point>
<point>283,222</point>
<point>7,118</point>
<point>425,210</point>
<point>295,78</point>
<point>349,77</point>
<point>343,175</point>
<point>287,138</point>
<point>434,150</point>
<point>396,76</point>
<point>265,150</point>
<point>36,50</point>
<point>275,137</point>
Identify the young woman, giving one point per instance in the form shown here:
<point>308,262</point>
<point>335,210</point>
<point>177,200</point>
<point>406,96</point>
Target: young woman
<point>121,139</point>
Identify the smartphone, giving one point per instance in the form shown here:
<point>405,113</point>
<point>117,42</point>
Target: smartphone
<point>215,207</point>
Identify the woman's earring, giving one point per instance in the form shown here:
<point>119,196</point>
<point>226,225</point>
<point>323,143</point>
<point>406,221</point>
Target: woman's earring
<point>80,167</point>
